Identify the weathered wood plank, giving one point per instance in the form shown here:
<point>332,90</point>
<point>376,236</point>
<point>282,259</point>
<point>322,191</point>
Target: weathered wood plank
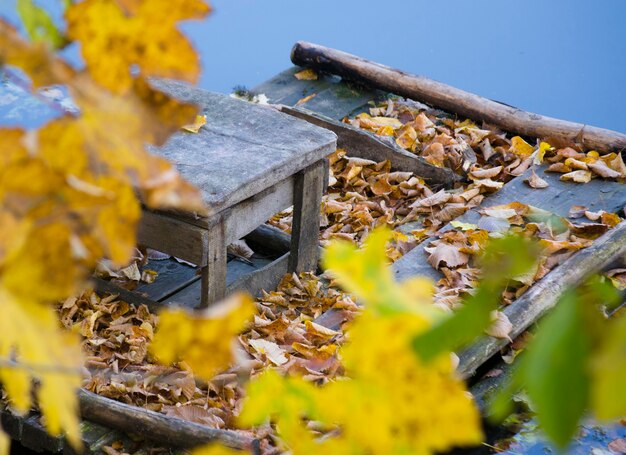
<point>189,297</point>
<point>90,434</point>
<point>544,295</point>
<point>284,88</point>
<point>213,278</point>
<point>244,217</point>
<point>173,236</point>
<point>36,438</point>
<point>453,99</point>
<point>172,276</point>
<point>305,230</point>
<point>271,238</point>
<point>557,198</point>
<point>341,100</point>
<point>358,142</point>
<point>155,426</point>
<point>243,149</point>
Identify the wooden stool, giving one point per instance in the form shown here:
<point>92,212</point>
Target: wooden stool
<point>249,162</point>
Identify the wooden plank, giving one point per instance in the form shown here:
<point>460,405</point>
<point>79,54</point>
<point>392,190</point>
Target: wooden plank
<point>13,424</point>
<point>358,142</point>
<point>284,88</point>
<point>173,236</point>
<point>90,434</point>
<point>341,100</point>
<point>103,286</point>
<point>307,198</point>
<point>244,217</point>
<point>266,278</point>
<point>152,425</point>
<point>36,438</point>
<point>243,149</point>
<point>270,237</point>
<point>557,198</point>
<point>453,99</point>
<point>236,272</point>
<point>544,295</point>
<point>172,276</point>
<point>213,278</point>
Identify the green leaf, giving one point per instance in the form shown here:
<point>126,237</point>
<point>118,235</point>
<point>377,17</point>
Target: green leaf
<point>554,370</point>
<point>39,25</point>
<point>503,258</point>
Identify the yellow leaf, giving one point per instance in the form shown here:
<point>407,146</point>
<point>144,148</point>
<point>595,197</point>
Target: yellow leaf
<point>113,39</point>
<point>215,449</point>
<point>196,125</point>
<point>306,75</point>
<point>463,226</point>
<point>186,336</point>
<point>541,153</point>
<point>306,99</point>
<point>5,443</point>
<point>520,147</point>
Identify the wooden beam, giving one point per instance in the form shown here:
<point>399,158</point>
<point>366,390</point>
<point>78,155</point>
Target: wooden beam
<point>545,294</point>
<point>453,99</point>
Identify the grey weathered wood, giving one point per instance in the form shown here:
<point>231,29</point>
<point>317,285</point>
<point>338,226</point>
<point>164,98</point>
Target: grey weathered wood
<point>90,433</point>
<point>103,286</point>
<point>173,236</point>
<point>265,278</point>
<point>307,198</point>
<point>358,142</point>
<point>243,149</point>
<point>172,276</point>
<point>213,276</point>
<point>240,277</point>
<point>452,99</point>
<point>244,217</point>
<point>36,438</point>
<point>544,295</point>
<point>284,88</point>
<point>340,100</point>
<point>597,195</point>
<point>155,426</point>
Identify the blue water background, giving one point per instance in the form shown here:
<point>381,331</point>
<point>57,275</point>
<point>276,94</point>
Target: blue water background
<point>563,58</point>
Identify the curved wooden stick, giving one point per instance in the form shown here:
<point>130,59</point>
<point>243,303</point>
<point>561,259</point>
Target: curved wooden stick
<point>452,99</point>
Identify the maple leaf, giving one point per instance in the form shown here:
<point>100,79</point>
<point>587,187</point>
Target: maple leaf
<point>115,35</point>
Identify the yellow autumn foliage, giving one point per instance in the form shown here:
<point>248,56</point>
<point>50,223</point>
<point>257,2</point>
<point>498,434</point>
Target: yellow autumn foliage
<point>69,190</point>
<point>202,339</point>
<point>389,401</point>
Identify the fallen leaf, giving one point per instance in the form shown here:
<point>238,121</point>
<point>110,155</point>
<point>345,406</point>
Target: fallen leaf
<point>535,181</point>
<point>501,326</point>
<point>306,75</point>
<point>271,350</point>
<point>306,99</point>
<point>463,226</point>
<point>447,254</point>
<point>198,123</point>
<point>579,176</point>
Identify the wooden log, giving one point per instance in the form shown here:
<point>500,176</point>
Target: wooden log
<point>157,427</point>
<point>545,294</point>
<point>358,142</point>
<point>453,99</point>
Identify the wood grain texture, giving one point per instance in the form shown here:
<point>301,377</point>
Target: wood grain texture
<point>154,426</point>
<point>452,99</point>
<point>557,198</point>
<point>243,148</point>
<point>213,275</point>
<point>305,230</point>
<point>358,142</point>
<point>173,236</point>
<point>545,294</point>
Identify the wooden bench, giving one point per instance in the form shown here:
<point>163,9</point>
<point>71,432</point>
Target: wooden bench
<point>249,162</point>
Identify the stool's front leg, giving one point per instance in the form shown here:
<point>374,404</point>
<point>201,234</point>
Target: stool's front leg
<point>214,273</point>
<point>307,197</point>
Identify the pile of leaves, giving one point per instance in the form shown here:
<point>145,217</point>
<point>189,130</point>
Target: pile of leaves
<point>280,332</point>
<point>454,251</point>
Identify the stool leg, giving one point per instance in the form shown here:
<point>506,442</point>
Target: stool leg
<point>214,274</point>
<point>307,197</point>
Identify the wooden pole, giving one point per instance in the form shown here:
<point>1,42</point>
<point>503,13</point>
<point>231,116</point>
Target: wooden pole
<point>154,426</point>
<point>453,99</point>
<point>545,294</point>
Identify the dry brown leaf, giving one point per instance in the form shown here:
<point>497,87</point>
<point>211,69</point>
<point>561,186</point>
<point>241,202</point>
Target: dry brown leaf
<point>271,350</point>
<point>306,75</point>
<point>501,327</point>
<point>580,176</point>
<point>448,255</point>
<point>534,181</point>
